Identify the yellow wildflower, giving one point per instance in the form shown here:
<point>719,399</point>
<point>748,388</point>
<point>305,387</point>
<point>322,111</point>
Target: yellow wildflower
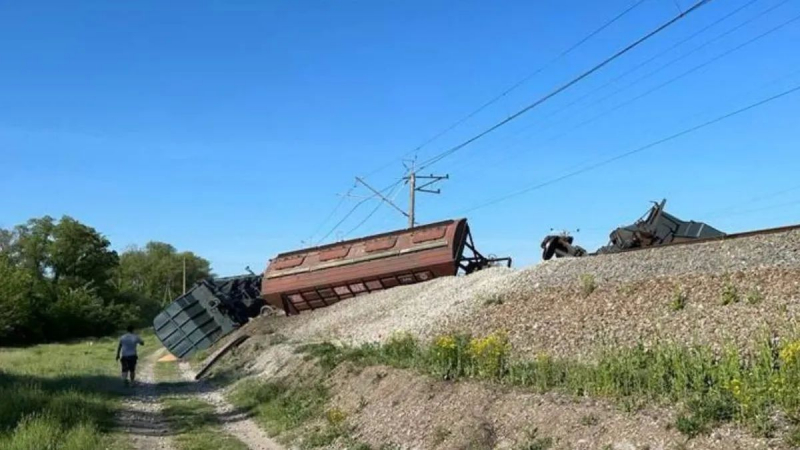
<point>789,353</point>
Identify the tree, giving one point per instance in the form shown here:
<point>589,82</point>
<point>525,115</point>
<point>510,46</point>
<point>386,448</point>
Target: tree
<point>79,256</point>
<point>56,281</point>
<point>17,311</point>
<point>60,279</point>
<point>155,274</point>
<point>5,241</point>
<point>29,245</point>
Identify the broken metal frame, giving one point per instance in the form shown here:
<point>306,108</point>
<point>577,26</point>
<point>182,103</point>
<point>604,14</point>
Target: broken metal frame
<point>477,261</point>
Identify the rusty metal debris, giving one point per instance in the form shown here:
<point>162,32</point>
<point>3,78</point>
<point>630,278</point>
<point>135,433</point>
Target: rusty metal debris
<point>656,228</point>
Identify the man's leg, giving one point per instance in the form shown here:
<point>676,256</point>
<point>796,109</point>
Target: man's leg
<point>132,368</point>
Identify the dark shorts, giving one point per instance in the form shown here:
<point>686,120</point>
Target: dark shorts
<point>128,363</point>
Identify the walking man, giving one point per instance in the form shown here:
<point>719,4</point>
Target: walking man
<point>127,351</point>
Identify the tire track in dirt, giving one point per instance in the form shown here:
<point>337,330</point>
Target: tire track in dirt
<point>236,424</point>
<point>140,418</point>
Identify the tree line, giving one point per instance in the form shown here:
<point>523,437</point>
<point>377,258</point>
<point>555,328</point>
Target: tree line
<point>60,279</point>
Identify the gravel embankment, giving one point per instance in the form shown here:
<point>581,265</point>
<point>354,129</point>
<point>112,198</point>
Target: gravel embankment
<point>780,250</point>
<point>544,309</point>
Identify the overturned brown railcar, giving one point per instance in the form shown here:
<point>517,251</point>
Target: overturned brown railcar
<point>318,277</point>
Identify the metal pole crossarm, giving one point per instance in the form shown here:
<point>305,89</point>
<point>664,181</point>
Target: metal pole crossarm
<point>433,180</point>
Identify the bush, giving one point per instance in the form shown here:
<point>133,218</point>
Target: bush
<point>729,294</point>
<point>493,299</point>
<point>448,357</point>
<point>679,299</point>
<point>754,296</point>
<point>80,312</point>
<point>489,355</point>
<point>588,284</point>
<point>590,420</point>
<point>534,442</point>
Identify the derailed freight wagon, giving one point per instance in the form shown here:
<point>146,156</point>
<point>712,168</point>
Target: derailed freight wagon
<point>208,311</point>
<point>317,277</point>
<point>321,276</point>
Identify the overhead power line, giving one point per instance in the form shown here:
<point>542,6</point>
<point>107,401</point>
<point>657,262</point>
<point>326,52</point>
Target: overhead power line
<point>731,210</point>
<point>513,87</point>
<point>761,209</point>
<point>669,81</point>
<point>354,208</point>
<point>634,151</point>
<point>689,71</point>
<point>375,210</point>
<point>492,101</point>
<point>565,86</point>
<point>672,47</point>
<point>700,47</point>
<point>332,213</point>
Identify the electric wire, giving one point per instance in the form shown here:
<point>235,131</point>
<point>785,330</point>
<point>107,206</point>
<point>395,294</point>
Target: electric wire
<point>695,50</point>
<point>372,213</point>
<point>634,151</point>
<point>480,109</point>
<point>567,85</point>
<point>731,210</point>
<point>513,87</point>
<point>661,85</point>
<point>354,208</point>
<point>332,213</point>
<point>511,141</point>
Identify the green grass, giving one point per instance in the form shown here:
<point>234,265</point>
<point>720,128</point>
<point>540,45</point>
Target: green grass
<point>278,406</point>
<point>62,396</point>
<point>296,413</point>
<point>493,299</point>
<point>729,294</point>
<point>679,299</point>
<point>590,420</point>
<point>754,296</point>
<point>196,426</point>
<point>708,389</point>
<point>167,371</point>
<point>588,284</point>
<point>792,438</point>
<point>198,357</point>
<point>534,442</point>
<point>193,422</point>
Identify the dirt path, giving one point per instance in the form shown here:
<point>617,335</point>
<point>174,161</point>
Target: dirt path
<point>238,425</point>
<point>141,417</point>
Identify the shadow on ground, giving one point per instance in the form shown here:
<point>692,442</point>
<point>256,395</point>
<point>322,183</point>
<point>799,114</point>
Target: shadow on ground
<point>71,400</point>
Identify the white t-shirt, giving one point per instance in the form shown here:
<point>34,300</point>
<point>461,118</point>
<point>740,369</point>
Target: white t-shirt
<point>128,343</point>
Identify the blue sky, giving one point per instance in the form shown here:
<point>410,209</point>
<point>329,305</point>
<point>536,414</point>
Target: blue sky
<point>229,128</point>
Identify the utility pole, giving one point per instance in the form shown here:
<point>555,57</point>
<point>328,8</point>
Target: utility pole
<point>184,274</point>
<point>411,179</point>
<point>412,182</point>
<point>413,189</point>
